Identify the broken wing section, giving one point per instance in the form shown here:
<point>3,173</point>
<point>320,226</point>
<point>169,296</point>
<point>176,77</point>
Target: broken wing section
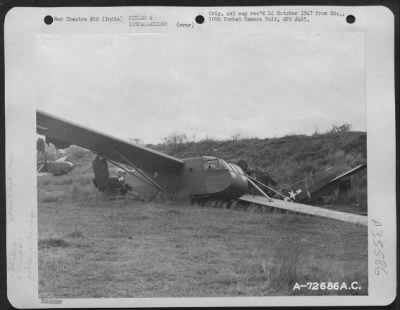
<point>313,187</point>
<point>307,209</point>
<point>63,133</point>
<point>348,173</point>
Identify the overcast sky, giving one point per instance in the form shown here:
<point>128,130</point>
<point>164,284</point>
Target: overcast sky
<point>148,86</point>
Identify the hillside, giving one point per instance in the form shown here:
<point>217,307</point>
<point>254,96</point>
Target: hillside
<point>289,158</point>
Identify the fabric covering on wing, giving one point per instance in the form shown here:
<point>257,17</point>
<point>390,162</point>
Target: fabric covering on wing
<point>307,209</point>
<point>62,132</point>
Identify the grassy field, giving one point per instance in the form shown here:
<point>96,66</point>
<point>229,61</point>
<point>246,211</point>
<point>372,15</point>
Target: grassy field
<point>91,246</point>
<point>124,248</point>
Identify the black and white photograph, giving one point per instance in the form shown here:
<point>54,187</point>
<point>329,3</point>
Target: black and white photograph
<point>197,155</point>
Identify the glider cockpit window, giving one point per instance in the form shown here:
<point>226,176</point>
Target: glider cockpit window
<point>238,169</point>
<point>211,164</point>
<point>234,168</point>
<point>225,164</point>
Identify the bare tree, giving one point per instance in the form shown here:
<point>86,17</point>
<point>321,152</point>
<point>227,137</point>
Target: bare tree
<point>236,136</point>
<point>136,141</point>
<point>176,141</point>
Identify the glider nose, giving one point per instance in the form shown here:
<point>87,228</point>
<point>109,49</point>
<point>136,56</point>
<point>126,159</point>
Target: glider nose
<point>238,187</point>
<point>236,180</point>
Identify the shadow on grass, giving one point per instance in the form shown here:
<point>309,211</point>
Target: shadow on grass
<point>53,243</point>
<point>61,242</point>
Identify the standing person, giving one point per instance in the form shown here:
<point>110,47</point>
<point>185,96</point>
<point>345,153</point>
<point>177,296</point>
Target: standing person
<point>121,177</point>
<point>40,146</point>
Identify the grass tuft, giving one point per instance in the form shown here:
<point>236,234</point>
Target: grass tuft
<point>76,234</point>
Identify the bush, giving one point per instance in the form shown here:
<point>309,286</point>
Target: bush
<point>346,127</point>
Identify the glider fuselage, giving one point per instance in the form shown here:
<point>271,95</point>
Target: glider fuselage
<point>202,176</point>
<point>210,176</point>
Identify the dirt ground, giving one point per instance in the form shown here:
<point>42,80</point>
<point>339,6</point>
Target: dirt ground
<point>91,247</point>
